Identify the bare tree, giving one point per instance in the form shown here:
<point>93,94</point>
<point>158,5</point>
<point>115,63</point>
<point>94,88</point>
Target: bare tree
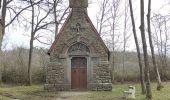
<point>159,83</point>
<point>115,15</point>
<point>146,60</point>
<point>3,8</point>
<point>161,39</point>
<point>31,45</point>
<point>102,16</point>
<point>126,36</point>
<point>37,24</point>
<point>41,22</point>
<point>138,49</point>
<point>59,14</point>
<point>14,11</point>
<point>3,15</point>
<point>124,41</point>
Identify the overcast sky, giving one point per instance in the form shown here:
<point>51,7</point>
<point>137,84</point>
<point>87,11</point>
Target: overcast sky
<point>16,37</point>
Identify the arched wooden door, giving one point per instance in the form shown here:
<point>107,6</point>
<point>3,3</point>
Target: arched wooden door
<point>78,73</point>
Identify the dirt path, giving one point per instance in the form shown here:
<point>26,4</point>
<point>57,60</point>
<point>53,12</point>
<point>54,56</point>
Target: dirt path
<point>67,95</point>
<point>9,96</point>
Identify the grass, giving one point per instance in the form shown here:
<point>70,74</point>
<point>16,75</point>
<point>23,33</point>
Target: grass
<point>36,92</point>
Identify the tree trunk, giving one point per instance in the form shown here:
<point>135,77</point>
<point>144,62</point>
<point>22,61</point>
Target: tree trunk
<point>146,61</point>
<point>29,63</point>
<point>31,46</point>
<point>124,44</point>
<point>112,61</point>
<point>113,52</point>
<point>55,19</point>
<point>0,4</point>
<point>1,36</point>
<point>2,21</point>
<point>4,6</point>
<point>2,26</point>
<point>159,83</point>
<point>142,80</point>
<point>1,67</point>
<point>114,14</point>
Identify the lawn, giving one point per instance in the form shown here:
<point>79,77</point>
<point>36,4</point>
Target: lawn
<point>36,92</point>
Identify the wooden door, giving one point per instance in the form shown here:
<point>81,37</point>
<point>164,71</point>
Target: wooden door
<point>78,73</point>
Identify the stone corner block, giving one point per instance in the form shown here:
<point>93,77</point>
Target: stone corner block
<point>100,86</point>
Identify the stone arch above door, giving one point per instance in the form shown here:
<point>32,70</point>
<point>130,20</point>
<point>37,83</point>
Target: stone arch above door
<point>78,49</point>
<point>73,41</point>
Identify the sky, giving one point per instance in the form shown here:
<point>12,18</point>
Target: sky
<point>16,37</point>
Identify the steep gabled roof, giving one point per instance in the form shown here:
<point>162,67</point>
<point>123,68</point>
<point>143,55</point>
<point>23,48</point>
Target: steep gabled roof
<point>64,25</point>
<point>95,31</point>
<point>60,32</point>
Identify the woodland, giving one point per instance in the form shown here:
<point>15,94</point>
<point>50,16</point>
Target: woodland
<point>136,35</point>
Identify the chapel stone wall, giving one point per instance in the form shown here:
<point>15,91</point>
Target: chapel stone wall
<point>58,69</point>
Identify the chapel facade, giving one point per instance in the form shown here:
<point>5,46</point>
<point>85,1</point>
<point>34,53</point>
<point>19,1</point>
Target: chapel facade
<point>79,59</point>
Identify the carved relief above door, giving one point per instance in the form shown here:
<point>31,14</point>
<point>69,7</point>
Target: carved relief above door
<point>78,48</point>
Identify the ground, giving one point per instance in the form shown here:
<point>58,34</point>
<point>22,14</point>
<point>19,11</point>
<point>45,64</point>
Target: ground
<point>36,92</point>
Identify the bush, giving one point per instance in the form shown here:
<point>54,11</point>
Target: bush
<point>14,66</point>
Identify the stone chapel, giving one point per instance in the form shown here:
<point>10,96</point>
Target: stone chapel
<point>79,59</point>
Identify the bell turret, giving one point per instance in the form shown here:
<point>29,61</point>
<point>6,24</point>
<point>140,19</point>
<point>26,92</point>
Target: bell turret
<point>78,3</point>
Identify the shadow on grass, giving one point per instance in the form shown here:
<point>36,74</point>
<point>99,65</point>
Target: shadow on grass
<point>8,95</point>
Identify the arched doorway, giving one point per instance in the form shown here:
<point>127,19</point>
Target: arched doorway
<point>78,53</point>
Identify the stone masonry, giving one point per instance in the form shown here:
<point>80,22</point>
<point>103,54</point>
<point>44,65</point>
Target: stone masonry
<point>78,28</point>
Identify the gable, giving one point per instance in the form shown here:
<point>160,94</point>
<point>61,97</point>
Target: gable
<point>96,32</point>
<point>87,19</point>
<point>58,35</point>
